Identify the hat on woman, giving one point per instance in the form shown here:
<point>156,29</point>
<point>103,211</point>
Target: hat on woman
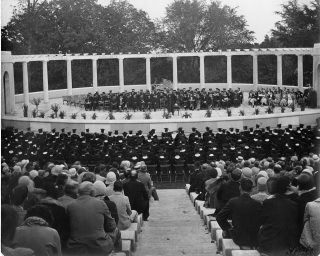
<point>111,178</point>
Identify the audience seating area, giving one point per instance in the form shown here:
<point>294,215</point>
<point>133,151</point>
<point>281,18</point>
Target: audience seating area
<point>225,246</point>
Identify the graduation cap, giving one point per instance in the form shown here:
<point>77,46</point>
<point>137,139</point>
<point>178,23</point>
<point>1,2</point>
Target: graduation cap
<point>124,134</point>
<point>87,130</point>
<point>40,130</point>
<point>62,130</point>
<point>166,129</point>
<point>74,130</point>
<point>301,125</point>
<point>279,126</point>
<point>102,130</point>
<point>130,132</point>
<point>268,128</point>
<point>290,126</point>
<point>109,133</point>
<point>53,130</point>
<point>116,132</point>
<point>29,129</point>
<point>245,127</point>
<point>251,129</point>
<point>219,129</point>
<point>237,130</point>
<point>257,126</point>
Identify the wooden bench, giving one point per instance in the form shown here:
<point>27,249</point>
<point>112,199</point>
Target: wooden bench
<point>228,246</point>
<point>187,188</point>
<point>245,253</point>
<point>213,227</point>
<point>208,220</point>
<point>219,238</point>
<point>205,212</point>
<point>135,228</point>
<point>131,236</point>
<point>193,196</point>
<point>126,247</point>
<point>198,205</point>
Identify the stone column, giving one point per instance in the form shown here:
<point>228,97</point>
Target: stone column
<point>255,69</point>
<point>121,75</point>
<point>279,70</point>
<point>69,77</point>
<point>316,72</point>
<point>25,83</point>
<point>229,71</point>
<point>175,72</point>
<point>45,81</point>
<point>300,72</point>
<point>94,75</point>
<point>148,73</point>
<point>202,72</point>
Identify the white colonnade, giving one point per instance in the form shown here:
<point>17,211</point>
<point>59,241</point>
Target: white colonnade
<point>255,53</point>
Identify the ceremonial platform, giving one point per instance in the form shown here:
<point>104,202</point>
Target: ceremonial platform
<point>12,102</point>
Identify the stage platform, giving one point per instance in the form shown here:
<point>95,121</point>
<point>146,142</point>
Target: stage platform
<point>219,119</point>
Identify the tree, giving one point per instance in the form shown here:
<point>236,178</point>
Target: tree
<point>192,25</point>
<point>299,25</point>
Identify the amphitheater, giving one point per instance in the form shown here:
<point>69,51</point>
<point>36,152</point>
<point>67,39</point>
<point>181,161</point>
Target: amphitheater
<point>178,224</point>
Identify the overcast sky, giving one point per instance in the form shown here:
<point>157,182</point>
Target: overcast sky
<point>260,14</point>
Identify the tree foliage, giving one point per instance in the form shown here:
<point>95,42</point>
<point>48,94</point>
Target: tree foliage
<point>193,25</point>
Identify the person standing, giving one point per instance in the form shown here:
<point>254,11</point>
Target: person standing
<point>137,194</point>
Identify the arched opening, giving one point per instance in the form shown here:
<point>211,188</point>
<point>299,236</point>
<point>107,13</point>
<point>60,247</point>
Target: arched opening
<point>6,85</point>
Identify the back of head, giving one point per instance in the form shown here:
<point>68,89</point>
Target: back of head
<point>86,188</point>
<point>262,184</point>
<point>19,194</point>
<point>40,211</point>
<point>236,174</point>
<point>282,184</point>
<point>305,181</point>
<point>133,175</point>
<point>118,186</point>
<point>272,185</point>
<point>9,222</point>
<point>100,188</point>
<point>246,185</point>
<point>89,176</point>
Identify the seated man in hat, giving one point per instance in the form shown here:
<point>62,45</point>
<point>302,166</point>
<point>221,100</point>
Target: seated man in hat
<point>245,215</point>
<point>92,229</point>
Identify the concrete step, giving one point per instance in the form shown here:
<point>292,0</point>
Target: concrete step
<point>131,236</point>
<point>208,220</point>
<point>228,246</point>
<point>245,253</point>
<point>126,247</point>
<point>213,227</point>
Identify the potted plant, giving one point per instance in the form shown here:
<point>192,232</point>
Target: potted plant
<point>41,114</point>
<point>25,110</point>
<point>208,113</point>
<point>94,116</point>
<point>147,115</point>
<point>241,112</point>
<point>186,115</point>
<point>166,115</point>
<point>283,108</point>
<point>303,106</point>
<point>127,115</point>
<point>36,102</point>
<point>269,110</point>
<point>55,108</point>
<point>84,115</point>
<point>293,107</point>
<point>52,115</point>
<point>256,111</point>
<point>62,114</point>
<point>74,115</point>
<point>34,113</point>
<point>229,113</point>
<point>111,116</point>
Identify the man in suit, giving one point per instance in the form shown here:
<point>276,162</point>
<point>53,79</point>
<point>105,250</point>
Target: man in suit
<point>138,195</point>
<point>229,189</point>
<point>245,215</point>
<point>279,231</point>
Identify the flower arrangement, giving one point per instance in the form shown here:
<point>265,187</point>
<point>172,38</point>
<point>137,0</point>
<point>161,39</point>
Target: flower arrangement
<point>229,113</point>
<point>256,111</point>
<point>36,102</point>
<point>74,115</point>
<point>241,112</point>
<point>127,115</point>
<point>94,116</point>
<point>84,115</point>
<point>62,114</point>
<point>208,113</point>
<point>55,108</point>
<point>25,108</point>
<point>147,115</point>
<point>34,113</point>
<point>186,115</point>
<point>110,116</point>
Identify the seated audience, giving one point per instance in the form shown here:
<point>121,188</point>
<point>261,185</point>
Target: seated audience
<point>126,215</point>
<point>310,237</point>
<point>279,231</point>
<point>9,223</point>
<point>36,232</point>
<point>245,214</point>
<point>137,194</point>
<point>92,228</point>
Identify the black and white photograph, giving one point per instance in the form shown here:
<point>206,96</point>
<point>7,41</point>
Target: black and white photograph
<point>160,127</point>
